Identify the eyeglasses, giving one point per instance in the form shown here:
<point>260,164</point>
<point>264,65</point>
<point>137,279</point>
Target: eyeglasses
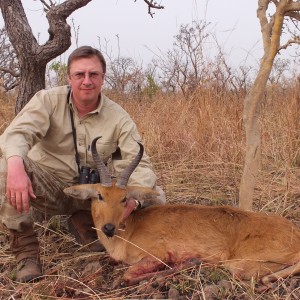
<point>94,76</point>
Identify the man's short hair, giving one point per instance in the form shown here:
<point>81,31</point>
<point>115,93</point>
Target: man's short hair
<point>86,51</point>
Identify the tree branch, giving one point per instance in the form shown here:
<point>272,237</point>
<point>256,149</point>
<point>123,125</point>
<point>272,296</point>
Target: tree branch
<point>266,28</point>
<point>59,29</point>
<point>293,15</point>
<point>46,5</point>
<point>11,72</point>
<point>11,86</point>
<point>295,40</point>
<point>293,6</point>
<point>151,4</point>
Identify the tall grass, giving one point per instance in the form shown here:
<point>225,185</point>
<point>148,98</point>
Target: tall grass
<point>197,146</point>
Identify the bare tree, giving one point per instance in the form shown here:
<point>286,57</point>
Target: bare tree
<point>286,15</point>
<point>124,74</point>
<point>184,66</point>
<point>280,66</point>
<point>241,81</point>
<point>32,57</point>
<point>196,61</point>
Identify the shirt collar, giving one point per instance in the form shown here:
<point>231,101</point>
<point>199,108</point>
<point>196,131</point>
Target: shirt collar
<point>97,110</point>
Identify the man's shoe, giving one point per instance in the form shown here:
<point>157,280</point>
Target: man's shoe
<point>28,269</point>
<point>25,247</point>
<point>80,225</point>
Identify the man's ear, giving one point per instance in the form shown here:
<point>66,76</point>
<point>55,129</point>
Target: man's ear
<point>82,192</point>
<point>69,79</point>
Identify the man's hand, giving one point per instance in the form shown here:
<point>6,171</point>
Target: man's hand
<point>18,185</point>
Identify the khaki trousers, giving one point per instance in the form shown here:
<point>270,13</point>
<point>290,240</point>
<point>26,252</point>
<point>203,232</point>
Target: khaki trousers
<point>50,201</point>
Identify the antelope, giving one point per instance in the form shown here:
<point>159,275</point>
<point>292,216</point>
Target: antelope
<point>249,244</point>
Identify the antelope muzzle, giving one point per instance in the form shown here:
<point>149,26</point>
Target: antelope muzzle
<point>109,229</point>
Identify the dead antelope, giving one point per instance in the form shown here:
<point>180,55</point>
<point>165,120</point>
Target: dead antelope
<point>249,244</point>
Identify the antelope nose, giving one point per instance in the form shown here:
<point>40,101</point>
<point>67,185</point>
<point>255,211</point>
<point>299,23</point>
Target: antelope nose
<point>109,229</point>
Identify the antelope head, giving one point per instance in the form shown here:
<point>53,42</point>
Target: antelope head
<point>110,205</point>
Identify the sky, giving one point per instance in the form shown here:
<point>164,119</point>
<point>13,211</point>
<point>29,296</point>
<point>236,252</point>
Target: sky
<point>236,26</point>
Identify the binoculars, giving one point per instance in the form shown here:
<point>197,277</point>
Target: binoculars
<point>88,175</point>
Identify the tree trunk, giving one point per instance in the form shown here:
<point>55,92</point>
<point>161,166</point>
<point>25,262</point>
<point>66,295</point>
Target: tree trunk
<point>253,103</point>
<point>253,137</point>
<point>32,57</point>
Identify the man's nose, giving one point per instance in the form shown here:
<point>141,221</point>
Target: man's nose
<point>87,78</point>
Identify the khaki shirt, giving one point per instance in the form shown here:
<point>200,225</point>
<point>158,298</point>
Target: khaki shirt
<point>43,131</point>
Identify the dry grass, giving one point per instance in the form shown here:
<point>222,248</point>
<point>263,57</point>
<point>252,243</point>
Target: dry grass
<point>7,109</point>
<point>197,148</point>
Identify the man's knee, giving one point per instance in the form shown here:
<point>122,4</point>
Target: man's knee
<point>12,219</point>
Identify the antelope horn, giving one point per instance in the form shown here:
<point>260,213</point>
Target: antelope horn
<point>105,178</point>
<point>124,176</point>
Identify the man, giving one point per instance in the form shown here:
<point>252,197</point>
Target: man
<point>45,148</point>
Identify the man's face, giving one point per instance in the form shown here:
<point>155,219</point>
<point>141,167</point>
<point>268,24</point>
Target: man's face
<point>86,79</point>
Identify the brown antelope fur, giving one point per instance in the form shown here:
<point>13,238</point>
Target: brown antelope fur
<point>250,244</point>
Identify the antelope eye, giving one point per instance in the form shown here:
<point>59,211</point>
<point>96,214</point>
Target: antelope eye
<point>100,197</point>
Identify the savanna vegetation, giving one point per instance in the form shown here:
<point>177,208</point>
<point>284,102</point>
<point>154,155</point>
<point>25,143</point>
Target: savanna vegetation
<point>197,148</point>
<point>188,104</point>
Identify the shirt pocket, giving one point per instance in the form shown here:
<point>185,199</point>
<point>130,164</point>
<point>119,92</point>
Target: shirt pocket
<point>39,156</point>
<point>106,148</point>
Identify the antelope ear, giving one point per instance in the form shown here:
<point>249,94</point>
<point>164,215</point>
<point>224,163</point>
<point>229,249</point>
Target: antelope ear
<point>81,192</point>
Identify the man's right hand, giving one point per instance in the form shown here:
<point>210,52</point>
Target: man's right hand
<point>18,185</point>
